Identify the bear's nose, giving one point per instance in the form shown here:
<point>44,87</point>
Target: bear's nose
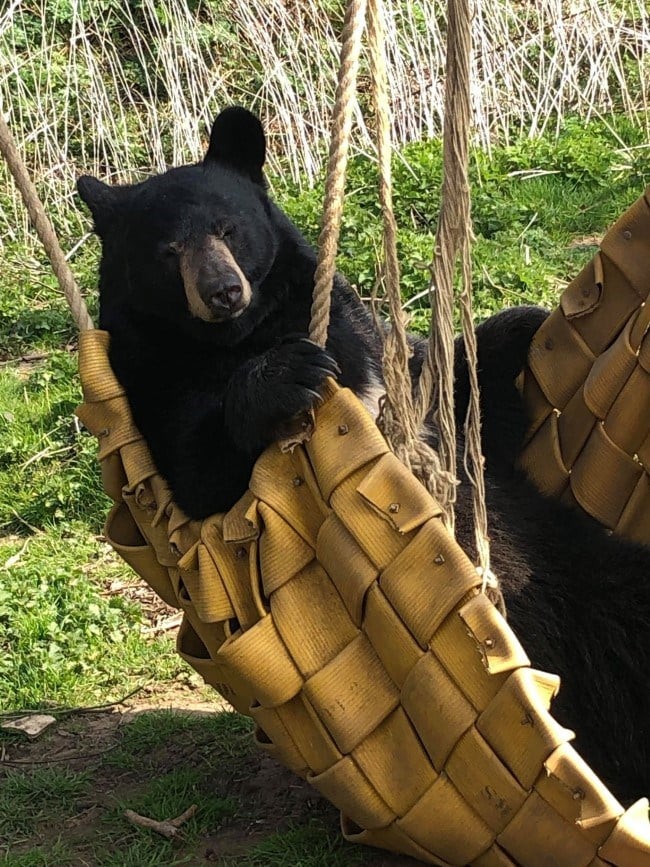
<point>226,298</point>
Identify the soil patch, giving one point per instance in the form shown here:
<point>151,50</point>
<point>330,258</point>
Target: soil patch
<point>268,798</point>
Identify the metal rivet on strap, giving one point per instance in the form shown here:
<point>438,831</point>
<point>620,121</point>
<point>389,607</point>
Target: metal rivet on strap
<point>343,429</point>
<point>627,234</point>
<point>394,507</point>
<point>439,560</point>
<point>297,481</point>
<point>489,642</point>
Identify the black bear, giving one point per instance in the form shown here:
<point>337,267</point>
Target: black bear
<point>205,288</point>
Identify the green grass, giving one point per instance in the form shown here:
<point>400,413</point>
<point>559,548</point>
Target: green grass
<point>48,469</point>
<point>55,854</point>
<point>169,795</point>
<point>149,733</point>
<point>35,805</point>
<point>311,845</point>
<point>526,224</point>
<point>62,641</point>
<point>29,799</point>
<point>176,758</point>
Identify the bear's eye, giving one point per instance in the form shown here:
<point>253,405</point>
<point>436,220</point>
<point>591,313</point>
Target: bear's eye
<point>224,231</point>
<point>170,250</point>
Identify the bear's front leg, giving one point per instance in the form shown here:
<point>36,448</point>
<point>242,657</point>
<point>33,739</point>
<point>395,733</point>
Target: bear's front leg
<point>267,392</point>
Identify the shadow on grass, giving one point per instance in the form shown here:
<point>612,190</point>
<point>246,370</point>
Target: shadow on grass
<point>62,797</point>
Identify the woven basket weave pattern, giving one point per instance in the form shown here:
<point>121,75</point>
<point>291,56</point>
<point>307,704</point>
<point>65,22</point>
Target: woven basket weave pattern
<point>587,385</point>
<point>331,605</point>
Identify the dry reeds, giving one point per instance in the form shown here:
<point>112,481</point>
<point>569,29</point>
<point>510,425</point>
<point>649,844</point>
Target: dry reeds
<point>115,88</point>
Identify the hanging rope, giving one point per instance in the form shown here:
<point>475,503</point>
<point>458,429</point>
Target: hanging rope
<point>452,237</point>
<point>346,88</point>
<point>44,228</point>
<point>398,419</point>
<point>453,241</point>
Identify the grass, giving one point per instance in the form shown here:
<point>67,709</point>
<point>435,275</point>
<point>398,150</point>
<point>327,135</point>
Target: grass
<point>539,207</point>
<point>145,97</point>
<point>148,734</point>
<point>64,641</point>
<point>39,805</point>
<point>311,845</point>
<point>42,449</point>
<point>166,796</point>
<point>27,800</point>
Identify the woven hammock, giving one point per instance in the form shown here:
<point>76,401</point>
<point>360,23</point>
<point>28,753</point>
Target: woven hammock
<point>589,440</point>
<point>332,606</point>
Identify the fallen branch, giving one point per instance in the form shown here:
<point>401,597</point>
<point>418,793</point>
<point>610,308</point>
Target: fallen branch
<point>31,358</point>
<point>62,712</point>
<point>169,828</point>
<point>163,626</point>
<point>67,757</point>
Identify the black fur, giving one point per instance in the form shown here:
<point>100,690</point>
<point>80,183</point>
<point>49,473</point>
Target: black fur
<point>577,597</point>
<point>502,349</point>
<point>208,396</point>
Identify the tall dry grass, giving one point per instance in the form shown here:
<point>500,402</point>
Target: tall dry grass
<point>117,88</point>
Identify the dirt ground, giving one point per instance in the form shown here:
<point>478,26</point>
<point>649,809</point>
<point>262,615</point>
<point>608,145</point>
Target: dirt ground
<point>273,799</point>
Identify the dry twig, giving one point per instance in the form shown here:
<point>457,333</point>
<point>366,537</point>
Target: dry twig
<point>169,828</point>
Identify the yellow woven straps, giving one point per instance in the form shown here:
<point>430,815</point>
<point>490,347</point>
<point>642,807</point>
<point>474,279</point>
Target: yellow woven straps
<point>587,385</point>
<point>332,606</point>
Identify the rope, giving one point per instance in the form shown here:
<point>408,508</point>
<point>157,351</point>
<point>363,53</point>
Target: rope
<point>452,237</point>
<point>44,228</point>
<point>453,240</point>
<point>352,33</point>
<point>397,419</point>
<point>401,419</point>
<point>399,403</point>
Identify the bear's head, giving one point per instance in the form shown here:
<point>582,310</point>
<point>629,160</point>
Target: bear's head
<point>191,247</point>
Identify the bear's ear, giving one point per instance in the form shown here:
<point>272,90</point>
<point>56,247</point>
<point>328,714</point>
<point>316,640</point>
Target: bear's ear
<point>103,200</point>
<point>237,140</point>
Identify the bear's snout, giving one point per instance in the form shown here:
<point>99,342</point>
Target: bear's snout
<point>215,286</point>
<point>224,296</point>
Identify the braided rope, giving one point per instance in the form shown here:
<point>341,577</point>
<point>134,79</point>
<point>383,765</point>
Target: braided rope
<point>399,403</point>
<point>397,420</point>
<point>459,47</point>
<point>351,36</point>
<point>453,240</point>
<point>400,418</point>
<point>44,228</point>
